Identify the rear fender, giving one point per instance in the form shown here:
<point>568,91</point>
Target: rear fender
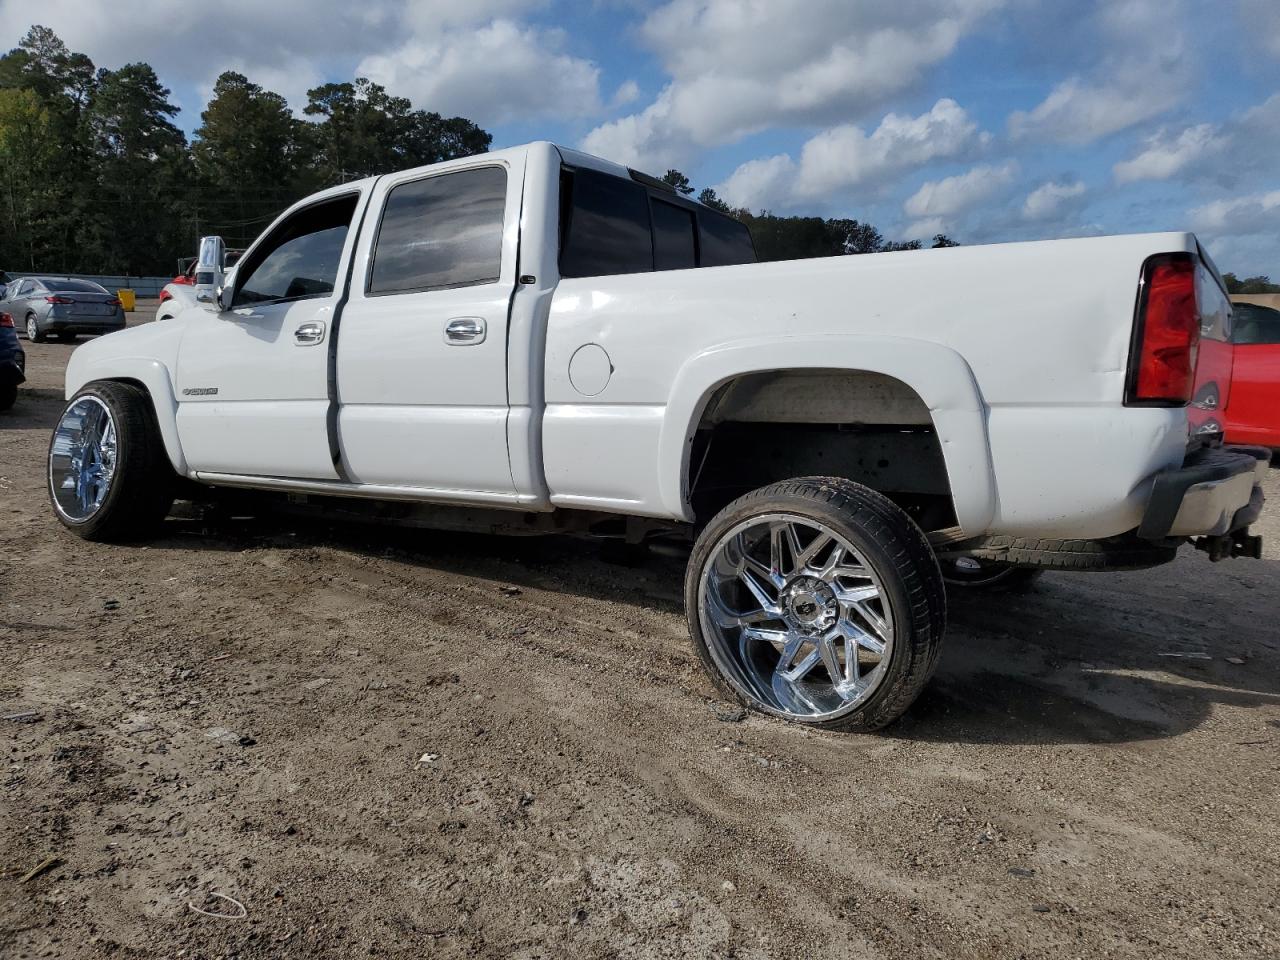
<point>938,374</point>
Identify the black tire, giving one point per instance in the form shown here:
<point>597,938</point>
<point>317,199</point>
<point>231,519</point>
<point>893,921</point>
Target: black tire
<point>39,337</point>
<point>890,542</point>
<point>8,395</point>
<point>988,575</point>
<point>143,483</point>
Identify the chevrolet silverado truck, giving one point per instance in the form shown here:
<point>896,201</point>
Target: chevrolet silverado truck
<point>536,341</point>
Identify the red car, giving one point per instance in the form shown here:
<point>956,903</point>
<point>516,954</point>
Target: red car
<point>1252,410</point>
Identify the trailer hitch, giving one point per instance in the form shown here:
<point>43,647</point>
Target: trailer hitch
<point>1239,543</point>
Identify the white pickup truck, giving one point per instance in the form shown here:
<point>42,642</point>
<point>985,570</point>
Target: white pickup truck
<point>535,340</point>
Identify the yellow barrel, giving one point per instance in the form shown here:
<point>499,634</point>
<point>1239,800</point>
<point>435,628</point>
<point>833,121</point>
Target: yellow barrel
<point>127,299</point>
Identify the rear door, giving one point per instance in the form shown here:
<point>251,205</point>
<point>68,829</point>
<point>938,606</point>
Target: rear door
<point>422,355</point>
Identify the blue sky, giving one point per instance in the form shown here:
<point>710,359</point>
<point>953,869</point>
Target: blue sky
<point>989,120</point>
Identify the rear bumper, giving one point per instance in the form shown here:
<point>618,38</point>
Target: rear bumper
<point>11,372</point>
<point>1216,491</point>
<point>82,324</point>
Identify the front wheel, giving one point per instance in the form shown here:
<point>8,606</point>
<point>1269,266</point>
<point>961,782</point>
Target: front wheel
<point>109,477</point>
<point>819,601</point>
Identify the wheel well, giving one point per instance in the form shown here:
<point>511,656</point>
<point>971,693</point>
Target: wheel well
<point>866,427</point>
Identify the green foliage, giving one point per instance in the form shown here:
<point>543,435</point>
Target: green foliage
<point>1260,284</point>
<point>679,181</point>
<point>708,198</point>
<point>95,176</point>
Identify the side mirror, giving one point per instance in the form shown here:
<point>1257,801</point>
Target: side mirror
<point>210,279</point>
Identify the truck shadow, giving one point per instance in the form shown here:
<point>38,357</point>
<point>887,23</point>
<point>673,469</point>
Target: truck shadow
<point>1110,658</point>
<point>1084,658</point>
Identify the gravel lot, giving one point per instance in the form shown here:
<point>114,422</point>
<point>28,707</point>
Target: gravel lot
<point>414,744</point>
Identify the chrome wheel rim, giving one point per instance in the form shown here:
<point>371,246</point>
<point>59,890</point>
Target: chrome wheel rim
<point>82,459</point>
<point>33,330</point>
<point>796,619</point>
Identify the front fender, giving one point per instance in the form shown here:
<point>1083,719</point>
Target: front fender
<point>941,377</point>
<point>151,373</point>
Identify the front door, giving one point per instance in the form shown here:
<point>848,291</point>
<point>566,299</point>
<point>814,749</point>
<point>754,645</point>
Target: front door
<point>422,353</point>
<point>252,381</point>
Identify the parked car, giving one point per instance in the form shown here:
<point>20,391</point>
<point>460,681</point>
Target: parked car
<point>179,293</point>
<point>62,306</point>
<point>13,362</point>
<point>1252,410</point>
<point>536,340</point>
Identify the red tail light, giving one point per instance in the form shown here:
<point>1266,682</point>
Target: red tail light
<point>1162,365</point>
<point>6,320</point>
<point>57,299</point>
<point>116,302</point>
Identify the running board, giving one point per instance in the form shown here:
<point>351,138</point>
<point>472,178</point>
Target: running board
<point>372,491</point>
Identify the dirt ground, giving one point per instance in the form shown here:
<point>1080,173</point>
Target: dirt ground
<point>411,744</point>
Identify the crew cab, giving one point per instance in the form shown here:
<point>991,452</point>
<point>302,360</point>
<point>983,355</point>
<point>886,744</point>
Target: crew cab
<point>537,340</point>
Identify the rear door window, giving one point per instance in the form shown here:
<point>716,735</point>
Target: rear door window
<point>604,225</point>
<point>675,245</point>
<point>441,232</point>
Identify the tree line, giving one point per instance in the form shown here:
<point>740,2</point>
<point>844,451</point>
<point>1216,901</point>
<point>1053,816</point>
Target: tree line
<point>95,176</point>
<point>793,238</point>
<point>1259,284</point>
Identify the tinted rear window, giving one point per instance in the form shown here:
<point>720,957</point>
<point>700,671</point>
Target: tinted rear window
<point>74,286</point>
<point>604,226</point>
<point>443,231</point>
<point>674,237</point>
<point>724,241</point>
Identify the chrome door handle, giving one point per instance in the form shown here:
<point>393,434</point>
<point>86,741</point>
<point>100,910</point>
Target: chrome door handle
<point>309,333</point>
<point>461,331</point>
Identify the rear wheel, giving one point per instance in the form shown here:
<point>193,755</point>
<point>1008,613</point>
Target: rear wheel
<point>819,601</point>
<point>109,477</point>
<point>33,329</point>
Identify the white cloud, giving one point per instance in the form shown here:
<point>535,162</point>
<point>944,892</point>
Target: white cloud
<point>1239,216</point>
<point>1141,72</point>
<point>929,227</point>
<point>628,92</point>
<point>1167,155</point>
<point>1051,200</point>
<point>1238,149</point>
<point>844,157</point>
<point>475,57</point>
<point>494,73</point>
<point>739,68</point>
<point>943,199</point>
<point>760,183</point>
